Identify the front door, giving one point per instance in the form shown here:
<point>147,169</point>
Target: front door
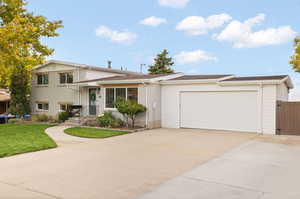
<point>92,101</point>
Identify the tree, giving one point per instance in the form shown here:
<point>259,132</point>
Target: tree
<point>19,91</point>
<point>129,109</point>
<point>295,62</point>
<point>162,64</point>
<point>21,48</point>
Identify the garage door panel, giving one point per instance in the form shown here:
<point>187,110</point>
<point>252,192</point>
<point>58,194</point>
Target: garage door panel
<point>232,110</point>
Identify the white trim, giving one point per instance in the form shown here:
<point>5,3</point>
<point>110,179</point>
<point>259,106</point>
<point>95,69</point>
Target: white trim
<point>65,73</point>
<point>252,82</point>
<point>42,110</point>
<point>115,95</point>
<point>86,67</point>
<point>37,79</point>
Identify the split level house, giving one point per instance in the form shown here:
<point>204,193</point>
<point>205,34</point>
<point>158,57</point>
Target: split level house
<point>218,102</point>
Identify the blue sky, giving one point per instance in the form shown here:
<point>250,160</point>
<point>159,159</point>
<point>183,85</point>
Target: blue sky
<point>249,37</point>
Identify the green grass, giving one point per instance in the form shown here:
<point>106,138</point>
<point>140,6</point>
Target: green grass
<point>93,133</point>
<point>23,138</point>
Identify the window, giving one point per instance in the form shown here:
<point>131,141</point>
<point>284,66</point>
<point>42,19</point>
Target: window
<point>42,79</point>
<point>120,93</point>
<point>112,94</point>
<point>64,107</point>
<point>132,94</point>
<point>66,78</point>
<point>43,106</point>
<point>109,97</point>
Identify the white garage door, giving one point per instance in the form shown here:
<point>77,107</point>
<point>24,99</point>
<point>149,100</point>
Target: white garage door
<point>233,110</point>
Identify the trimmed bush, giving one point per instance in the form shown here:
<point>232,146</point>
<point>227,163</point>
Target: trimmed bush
<point>14,121</point>
<point>107,119</point>
<point>118,123</point>
<point>129,109</point>
<point>63,116</point>
<point>40,118</point>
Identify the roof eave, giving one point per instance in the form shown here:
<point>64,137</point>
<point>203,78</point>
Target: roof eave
<point>194,81</point>
<point>251,82</point>
<point>87,67</point>
<point>137,81</point>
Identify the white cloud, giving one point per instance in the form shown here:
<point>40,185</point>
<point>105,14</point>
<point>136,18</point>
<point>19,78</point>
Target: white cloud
<point>173,3</point>
<point>197,25</point>
<point>124,37</point>
<point>193,57</point>
<point>153,21</point>
<point>242,35</point>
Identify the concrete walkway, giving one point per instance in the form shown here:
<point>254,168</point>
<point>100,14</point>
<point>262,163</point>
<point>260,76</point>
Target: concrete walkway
<point>61,138</point>
<point>255,170</point>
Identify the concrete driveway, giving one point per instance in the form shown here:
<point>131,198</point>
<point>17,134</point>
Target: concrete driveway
<point>264,168</point>
<point>121,167</point>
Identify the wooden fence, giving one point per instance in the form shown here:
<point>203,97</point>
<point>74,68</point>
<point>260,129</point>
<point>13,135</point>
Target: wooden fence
<point>288,118</point>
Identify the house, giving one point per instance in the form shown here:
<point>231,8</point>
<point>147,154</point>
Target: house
<point>218,102</point>
<point>53,87</point>
<point>4,100</point>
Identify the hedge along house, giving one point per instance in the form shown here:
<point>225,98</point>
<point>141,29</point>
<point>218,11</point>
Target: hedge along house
<point>4,101</point>
<point>218,102</point>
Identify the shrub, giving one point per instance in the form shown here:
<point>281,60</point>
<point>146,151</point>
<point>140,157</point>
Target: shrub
<point>129,109</point>
<point>53,120</point>
<point>118,123</point>
<point>63,116</point>
<point>107,119</point>
<point>40,118</point>
<point>14,121</point>
<point>92,123</point>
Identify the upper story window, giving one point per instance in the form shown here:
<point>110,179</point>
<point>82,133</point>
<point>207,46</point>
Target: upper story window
<point>42,79</point>
<point>112,94</point>
<point>66,78</point>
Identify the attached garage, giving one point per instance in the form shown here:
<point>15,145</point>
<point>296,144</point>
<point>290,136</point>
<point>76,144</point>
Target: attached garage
<point>244,104</point>
<point>230,110</point>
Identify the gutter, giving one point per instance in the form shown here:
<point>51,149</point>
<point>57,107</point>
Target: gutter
<point>145,85</point>
<point>256,82</point>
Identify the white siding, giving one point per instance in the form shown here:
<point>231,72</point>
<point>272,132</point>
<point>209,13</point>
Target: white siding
<point>269,109</point>
<point>266,103</point>
<point>55,92</point>
<point>282,92</point>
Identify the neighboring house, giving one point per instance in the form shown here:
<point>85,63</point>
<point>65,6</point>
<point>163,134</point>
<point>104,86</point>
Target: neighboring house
<point>4,101</point>
<point>219,102</point>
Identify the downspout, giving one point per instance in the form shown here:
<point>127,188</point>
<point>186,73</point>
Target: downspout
<point>146,103</point>
<point>79,95</point>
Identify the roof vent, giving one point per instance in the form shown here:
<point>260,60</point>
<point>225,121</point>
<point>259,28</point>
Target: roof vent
<point>108,64</point>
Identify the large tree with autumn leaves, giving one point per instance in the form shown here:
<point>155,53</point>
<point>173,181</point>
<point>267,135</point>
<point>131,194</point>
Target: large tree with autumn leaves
<point>21,48</point>
<point>295,62</point>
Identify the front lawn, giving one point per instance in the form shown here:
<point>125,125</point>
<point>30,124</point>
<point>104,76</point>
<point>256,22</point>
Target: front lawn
<point>93,133</point>
<point>23,138</point>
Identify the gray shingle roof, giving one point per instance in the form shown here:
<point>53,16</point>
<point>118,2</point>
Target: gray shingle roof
<point>257,78</point>
<point>128,77</point>
<point>196,77</point>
